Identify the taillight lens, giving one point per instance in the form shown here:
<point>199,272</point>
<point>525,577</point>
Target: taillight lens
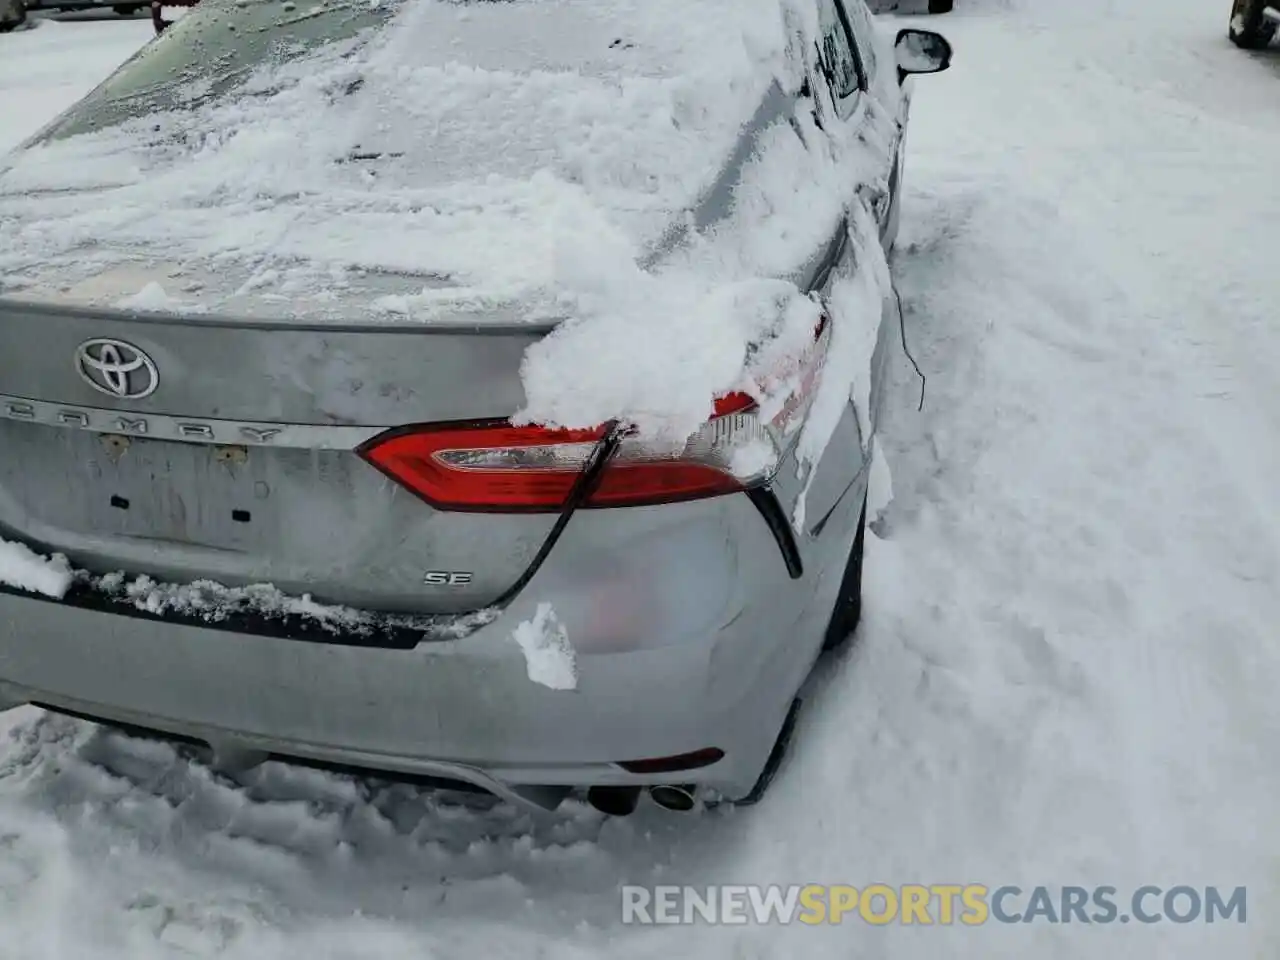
<point>495,467</point>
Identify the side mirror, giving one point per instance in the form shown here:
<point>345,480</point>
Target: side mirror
<point>921,51</point>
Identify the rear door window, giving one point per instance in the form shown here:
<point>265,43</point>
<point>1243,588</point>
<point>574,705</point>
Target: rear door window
<point>864,33</point>
<point>838,57</point>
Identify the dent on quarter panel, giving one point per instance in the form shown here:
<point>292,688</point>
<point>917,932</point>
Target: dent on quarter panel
<point>668,584</point>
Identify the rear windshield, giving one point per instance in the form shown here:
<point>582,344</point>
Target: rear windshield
<point>212,50</point>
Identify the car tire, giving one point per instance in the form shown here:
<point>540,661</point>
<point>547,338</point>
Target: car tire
<point>1248,28</point>
<point>13,14</point>
<point>941,6</point>
<point>848,608</point>
<point>126,9</point>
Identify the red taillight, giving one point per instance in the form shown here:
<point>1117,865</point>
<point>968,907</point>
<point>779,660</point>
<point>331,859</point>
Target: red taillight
<point>484,466</point>
<point>495,467</point>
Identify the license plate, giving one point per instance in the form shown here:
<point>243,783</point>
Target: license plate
<point>111,485</point>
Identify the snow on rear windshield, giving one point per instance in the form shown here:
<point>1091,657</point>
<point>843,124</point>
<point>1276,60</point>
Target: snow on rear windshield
<point>532,152</point>
<point>214,50</point>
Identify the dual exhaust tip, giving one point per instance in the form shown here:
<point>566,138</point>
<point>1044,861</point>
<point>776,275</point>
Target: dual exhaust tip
<point>622,801</point>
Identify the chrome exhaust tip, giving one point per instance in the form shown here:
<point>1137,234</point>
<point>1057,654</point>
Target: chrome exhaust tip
<point>673,796</point>
<point>614,801</point>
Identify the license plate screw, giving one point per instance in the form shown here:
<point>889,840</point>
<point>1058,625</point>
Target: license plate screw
<point>114,444</point>
<point>231,455</point>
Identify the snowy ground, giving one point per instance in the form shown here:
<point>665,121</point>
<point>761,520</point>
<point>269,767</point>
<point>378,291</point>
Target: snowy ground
<point>1067,667</point>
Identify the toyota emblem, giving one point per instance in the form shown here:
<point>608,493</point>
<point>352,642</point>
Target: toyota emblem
<point>117,369</point>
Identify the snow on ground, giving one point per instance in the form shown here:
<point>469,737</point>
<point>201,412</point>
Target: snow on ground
<point>1067,666</point>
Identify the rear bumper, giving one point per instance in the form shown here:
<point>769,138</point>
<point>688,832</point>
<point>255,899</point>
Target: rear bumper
<point>657,674</point>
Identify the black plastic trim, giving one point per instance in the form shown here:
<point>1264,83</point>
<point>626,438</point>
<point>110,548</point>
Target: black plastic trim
<point>830,257</point>
<point>380,633</point>
<point>766,501</point>
<point>772,765</point>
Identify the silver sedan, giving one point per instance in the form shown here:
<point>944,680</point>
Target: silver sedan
<point>288,521</point>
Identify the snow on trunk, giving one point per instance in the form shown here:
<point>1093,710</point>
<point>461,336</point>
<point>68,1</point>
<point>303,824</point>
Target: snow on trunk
<point>548,655</point>
<point>654,348</point>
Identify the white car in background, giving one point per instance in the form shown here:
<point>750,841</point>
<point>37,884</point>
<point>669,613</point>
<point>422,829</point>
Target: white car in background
<point>13,13</point>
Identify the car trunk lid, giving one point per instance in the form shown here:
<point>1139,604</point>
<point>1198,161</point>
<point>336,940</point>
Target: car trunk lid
<point>225,450</point>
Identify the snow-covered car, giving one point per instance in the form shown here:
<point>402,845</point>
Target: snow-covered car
<point>477,390</point>
<point>1253,23</point>
<point>13,13</point>
<point>910,7</point>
